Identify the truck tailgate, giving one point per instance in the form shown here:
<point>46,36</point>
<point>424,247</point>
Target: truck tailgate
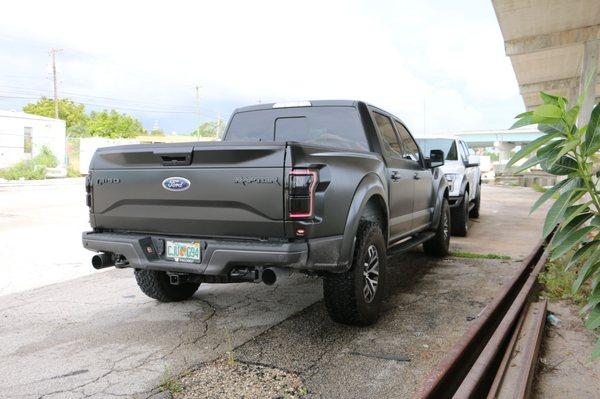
<point>235,190</point>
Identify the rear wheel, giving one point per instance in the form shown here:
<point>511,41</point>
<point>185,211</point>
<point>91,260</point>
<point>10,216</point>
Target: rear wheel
<point>439,245</point>
<point>354,297</point>
<point>157,285</point>
<point>460,217</point>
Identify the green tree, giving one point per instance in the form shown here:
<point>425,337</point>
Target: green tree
<point>570,151</point>
<point>72,113</point>
<point>113,124</point>
<point>209,129</point>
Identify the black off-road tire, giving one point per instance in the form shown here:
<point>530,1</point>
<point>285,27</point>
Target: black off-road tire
<point>156,285</point>
<point>439,245</point>
<point>344,293</point>
<point>460,217</point>
<point>474,213</point>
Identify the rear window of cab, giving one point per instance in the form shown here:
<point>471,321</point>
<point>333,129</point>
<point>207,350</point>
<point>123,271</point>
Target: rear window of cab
<point>332,126</point>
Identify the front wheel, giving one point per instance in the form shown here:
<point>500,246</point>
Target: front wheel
<point>354,297</point>
<point>475,211</point>
<point>439,245</point>
<point>460,217</point>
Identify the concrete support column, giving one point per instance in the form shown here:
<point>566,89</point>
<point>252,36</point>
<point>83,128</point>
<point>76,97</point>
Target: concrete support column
<point>504,148</point>
<point>589,65</point>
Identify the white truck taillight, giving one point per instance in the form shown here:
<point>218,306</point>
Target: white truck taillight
<point>302,193</point>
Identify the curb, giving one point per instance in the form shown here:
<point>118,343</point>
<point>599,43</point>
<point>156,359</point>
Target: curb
<point>42,183</point>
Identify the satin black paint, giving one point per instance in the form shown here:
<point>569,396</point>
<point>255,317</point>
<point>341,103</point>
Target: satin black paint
<point>238,191</point>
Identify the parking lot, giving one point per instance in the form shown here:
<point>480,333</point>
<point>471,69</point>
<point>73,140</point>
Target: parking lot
<point>75,332</point>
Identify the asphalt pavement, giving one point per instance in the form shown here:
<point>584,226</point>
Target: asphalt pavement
<point>71,332</point>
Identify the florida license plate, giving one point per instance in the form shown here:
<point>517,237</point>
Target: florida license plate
<point>183,251</point>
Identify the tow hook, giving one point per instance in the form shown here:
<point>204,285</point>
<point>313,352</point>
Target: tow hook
<point>174,279</point>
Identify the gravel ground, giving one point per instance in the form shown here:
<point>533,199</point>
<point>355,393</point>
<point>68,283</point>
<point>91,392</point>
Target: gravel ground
<point>225,378</point>
<point>565,369</point>
<point>430,304</point>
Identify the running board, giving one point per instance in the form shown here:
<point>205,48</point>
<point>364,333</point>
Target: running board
<point>408,244</point>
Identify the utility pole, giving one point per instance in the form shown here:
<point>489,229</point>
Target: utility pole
<point>53,53</point>
<point>198,110</point>
<point>424,117</point>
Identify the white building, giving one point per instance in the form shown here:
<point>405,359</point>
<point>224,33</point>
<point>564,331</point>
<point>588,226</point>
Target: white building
<point>23,135</point>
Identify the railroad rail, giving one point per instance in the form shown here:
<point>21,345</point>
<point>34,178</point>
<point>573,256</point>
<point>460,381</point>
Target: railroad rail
<point>497,355</point>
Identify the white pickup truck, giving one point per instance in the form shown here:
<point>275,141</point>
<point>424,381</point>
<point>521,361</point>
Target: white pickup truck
<point>463,174</point>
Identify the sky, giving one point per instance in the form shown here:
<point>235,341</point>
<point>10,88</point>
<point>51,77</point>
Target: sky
<point>438,65</point>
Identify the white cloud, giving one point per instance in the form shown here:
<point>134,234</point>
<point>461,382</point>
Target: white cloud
<point>394,54</point>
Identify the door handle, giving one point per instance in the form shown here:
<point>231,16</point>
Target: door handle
<point>395,175</point>
<point>417,176</point>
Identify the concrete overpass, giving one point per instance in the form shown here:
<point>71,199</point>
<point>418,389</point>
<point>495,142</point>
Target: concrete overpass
<point>553,45</point>
<point>503,140</point>
<point>490,138</point>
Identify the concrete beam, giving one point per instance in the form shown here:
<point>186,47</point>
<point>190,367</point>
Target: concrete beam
<point>532,104</point>
<point>550,40</point>
<point>591,53</point>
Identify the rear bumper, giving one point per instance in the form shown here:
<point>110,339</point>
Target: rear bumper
<point>220,256</point>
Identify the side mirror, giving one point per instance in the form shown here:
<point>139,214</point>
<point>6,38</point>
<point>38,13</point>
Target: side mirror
<point>436,159</point>
<point>473,161</point>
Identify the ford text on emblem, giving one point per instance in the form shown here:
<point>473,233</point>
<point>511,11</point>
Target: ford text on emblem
<point>176,184</point>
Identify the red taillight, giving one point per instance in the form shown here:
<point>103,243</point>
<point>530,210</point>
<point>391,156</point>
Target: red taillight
<point>302,193</point>
<point>88,190</point>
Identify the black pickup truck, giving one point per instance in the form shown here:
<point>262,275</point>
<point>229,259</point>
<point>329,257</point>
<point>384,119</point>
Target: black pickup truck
<point>328,188</point>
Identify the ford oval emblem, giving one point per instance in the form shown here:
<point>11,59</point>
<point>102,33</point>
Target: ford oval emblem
<point>176,184</point>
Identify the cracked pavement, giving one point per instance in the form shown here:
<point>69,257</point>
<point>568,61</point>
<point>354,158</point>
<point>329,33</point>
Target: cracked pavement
<point>98,336</point>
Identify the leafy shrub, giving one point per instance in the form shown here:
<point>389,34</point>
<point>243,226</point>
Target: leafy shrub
<point>558,281</point>
<point>569,151</point>
<point>73,171</point>
<point>31,169</point>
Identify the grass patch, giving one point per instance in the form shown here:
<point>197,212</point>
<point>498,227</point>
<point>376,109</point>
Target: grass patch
<point>472,255</point>
<point>32,169</point>
<point>172,386</point>
<point>539,188</point>
<point>229,352</point>
<point>558,282</point>
<point>73,172</point>
<point>170,383</point>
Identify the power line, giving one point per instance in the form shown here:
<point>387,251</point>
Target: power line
<point>147,110</point>
<point>27,90</point>
<point>17,92</point>
<point>23,77</point>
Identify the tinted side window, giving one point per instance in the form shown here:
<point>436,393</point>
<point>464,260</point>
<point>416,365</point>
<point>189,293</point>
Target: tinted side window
<point>464,154</point>
<point>446,145</point>
<point>390,141</point>
<point>467,149</point>
<point>411,150</point>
